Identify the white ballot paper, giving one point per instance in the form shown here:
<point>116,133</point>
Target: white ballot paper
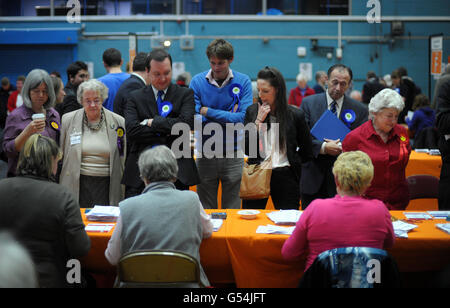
<point>103,213</point>
<point>402,228</point>
<point>444,227</point>
<point>417,215</point>
<point>99,227</point>
<point>217,223</point>
<point>439,214</point>
<point>271,229</point>
<point>285,217</point>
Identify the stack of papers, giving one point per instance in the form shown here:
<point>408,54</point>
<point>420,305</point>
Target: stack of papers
<point>103,213</point>
<point>444,227</point>
<point>99,227</point>
<point>429,151</point>
<point>217,223</point>
<point>417,215</point>
<point>402,228</point>
<point>271,229</point>
<point>286,217</point>
<point>439,214</point>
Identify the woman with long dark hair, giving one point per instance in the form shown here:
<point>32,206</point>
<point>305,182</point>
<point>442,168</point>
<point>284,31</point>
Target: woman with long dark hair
<point>283,136</point>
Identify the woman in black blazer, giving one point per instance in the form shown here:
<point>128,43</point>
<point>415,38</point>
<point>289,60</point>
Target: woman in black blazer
<point>283,135</point>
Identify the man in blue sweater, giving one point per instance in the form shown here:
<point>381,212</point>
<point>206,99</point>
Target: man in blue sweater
<point>112,61</point>
<point>221,96</point>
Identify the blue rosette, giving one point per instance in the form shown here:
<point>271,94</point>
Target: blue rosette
<point>348,116</point>
<point>165,108</point>
<point>235,91</point>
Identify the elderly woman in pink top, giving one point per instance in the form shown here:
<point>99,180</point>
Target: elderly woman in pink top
<point>347,220</point>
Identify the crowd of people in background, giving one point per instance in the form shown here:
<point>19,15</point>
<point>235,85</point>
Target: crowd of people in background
<point>107,141</point>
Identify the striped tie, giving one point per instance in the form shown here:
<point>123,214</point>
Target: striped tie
<point>333,108</point>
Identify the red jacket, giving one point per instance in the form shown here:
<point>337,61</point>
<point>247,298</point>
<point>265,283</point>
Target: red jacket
<point>389,161</point>
<point>296,97</point>
<point>12,101</point>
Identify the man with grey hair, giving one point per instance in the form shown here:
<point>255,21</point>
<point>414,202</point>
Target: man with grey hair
<point>17,269</point>
<point>321,79</point>
<point>162,217</point>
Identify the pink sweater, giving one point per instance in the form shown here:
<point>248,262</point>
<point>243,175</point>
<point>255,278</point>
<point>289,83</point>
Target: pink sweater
<point>339,222</point>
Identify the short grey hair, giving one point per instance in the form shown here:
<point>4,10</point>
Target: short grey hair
<point>158,164</point>
<point>92,85</point>
<point>33,80</point>
<point>386,98</point>
<point>17,269</point>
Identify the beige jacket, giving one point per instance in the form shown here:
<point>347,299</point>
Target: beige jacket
<point>71,123</point>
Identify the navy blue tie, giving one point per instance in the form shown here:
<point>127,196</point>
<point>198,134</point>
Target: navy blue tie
<point>159,99</point>
<point>333,108</point>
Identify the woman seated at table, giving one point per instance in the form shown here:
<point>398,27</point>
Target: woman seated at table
<point>42,215</point>
<point>93,143</point>
<point>347,220</point>
<point>162,217</point>
<point>294,144</point>
<point>38,98</point>
<point>387,144</point>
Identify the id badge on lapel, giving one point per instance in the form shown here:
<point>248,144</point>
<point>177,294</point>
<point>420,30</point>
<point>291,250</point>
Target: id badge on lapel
<point>75,138</point>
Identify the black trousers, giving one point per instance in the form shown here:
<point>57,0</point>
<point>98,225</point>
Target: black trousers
<point>327,190</point>
<point>284,190</point>
<point>94,190</point>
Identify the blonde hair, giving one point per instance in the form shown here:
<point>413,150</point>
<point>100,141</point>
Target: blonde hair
<point>36,157</point>
<point>353,171</point>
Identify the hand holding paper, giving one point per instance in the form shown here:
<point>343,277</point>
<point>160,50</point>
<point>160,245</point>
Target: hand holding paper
<point>333,147</point>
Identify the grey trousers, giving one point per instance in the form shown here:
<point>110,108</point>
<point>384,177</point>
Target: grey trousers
<point>226,170</point>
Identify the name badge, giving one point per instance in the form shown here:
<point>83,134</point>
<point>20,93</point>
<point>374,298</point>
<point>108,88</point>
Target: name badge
<point>75,138</point>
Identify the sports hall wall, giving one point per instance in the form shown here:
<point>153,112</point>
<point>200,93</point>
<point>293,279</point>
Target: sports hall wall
<point>53,43</point>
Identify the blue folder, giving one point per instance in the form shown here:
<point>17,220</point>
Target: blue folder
<point>330,127</point>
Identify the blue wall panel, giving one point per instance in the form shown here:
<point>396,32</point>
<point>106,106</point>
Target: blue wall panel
<point>361,50</point>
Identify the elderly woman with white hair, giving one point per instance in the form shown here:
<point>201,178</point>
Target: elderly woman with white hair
<point>36,115</point>
<point>298,93</point>
<point>93,144</point>
<point>162,217</point>
<point>387,144</point>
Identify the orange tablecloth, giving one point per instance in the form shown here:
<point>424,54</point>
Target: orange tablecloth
<point>419,163</point>
<point>422,163</point>
<point>236,254</point>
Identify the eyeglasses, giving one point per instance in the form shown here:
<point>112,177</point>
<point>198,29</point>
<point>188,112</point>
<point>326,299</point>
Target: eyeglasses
<point>39,92</point>
<point>96,101</point>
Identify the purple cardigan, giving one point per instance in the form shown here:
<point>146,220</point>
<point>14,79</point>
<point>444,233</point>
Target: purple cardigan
<point>16,123</point>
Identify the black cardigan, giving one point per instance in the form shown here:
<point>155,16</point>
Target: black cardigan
<point>298,138</point>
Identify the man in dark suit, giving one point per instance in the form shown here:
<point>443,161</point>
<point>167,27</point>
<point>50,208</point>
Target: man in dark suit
<point>77,73</point>
<point>317,180</point>
<point>138,79</point>
<point>443,125</point>
<point>151,112</point>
